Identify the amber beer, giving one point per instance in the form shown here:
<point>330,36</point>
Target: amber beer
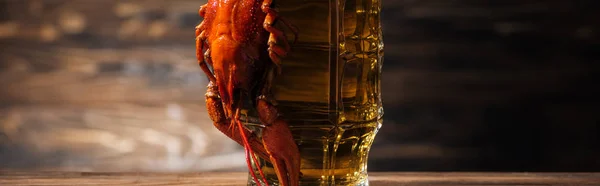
<point>329,90</point>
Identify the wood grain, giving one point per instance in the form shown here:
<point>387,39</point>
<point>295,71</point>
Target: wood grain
<point>135,22</point>
<point>44,74</point>
<point>239,178</point>
<point>115,137</point>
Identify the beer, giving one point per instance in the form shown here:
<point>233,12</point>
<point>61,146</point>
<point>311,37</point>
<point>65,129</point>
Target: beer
<point>329,89</point>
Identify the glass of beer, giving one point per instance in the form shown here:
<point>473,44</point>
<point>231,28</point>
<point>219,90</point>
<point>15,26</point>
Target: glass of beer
<point>329,89</point>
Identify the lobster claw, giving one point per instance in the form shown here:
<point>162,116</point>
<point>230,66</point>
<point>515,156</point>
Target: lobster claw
<point>279,144</point>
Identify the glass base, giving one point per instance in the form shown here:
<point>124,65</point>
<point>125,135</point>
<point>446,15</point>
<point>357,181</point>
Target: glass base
<point>360,182</point>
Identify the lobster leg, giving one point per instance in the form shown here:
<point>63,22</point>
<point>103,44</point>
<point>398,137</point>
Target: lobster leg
<point>201,44</point>
<point>266,8</point>
<point>202,10</point>
<point>207,57</point>
<point>276,36</point>
<point>201,26</point>
<point>200,56</point>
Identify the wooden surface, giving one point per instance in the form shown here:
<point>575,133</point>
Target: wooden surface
<point>239,178</point>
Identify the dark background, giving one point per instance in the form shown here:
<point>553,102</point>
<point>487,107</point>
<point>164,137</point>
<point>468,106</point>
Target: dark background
<point>468,85</point>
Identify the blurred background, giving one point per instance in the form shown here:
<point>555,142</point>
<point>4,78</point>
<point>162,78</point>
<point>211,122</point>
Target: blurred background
<point>468,85</point>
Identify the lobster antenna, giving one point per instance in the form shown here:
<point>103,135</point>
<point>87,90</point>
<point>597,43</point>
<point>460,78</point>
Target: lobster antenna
<point>247,149</point>
<point>249,152</point>
<point>259,169</point>
<point>256,162</point>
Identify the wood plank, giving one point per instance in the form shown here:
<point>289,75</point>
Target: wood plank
<point>64,74</point>
<point>115,137</point>
<point>81,88</point>
<point>26,56</point>
<point>240,178</point>
<point>146,21</point>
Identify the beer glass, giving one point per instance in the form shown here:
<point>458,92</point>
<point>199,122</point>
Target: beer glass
<point>329,89</point>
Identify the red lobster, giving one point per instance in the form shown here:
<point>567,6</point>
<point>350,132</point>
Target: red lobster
<point>238,39</point>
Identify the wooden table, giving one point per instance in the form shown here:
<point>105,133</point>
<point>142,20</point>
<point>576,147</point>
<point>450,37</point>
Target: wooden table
<point>8,178</point>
